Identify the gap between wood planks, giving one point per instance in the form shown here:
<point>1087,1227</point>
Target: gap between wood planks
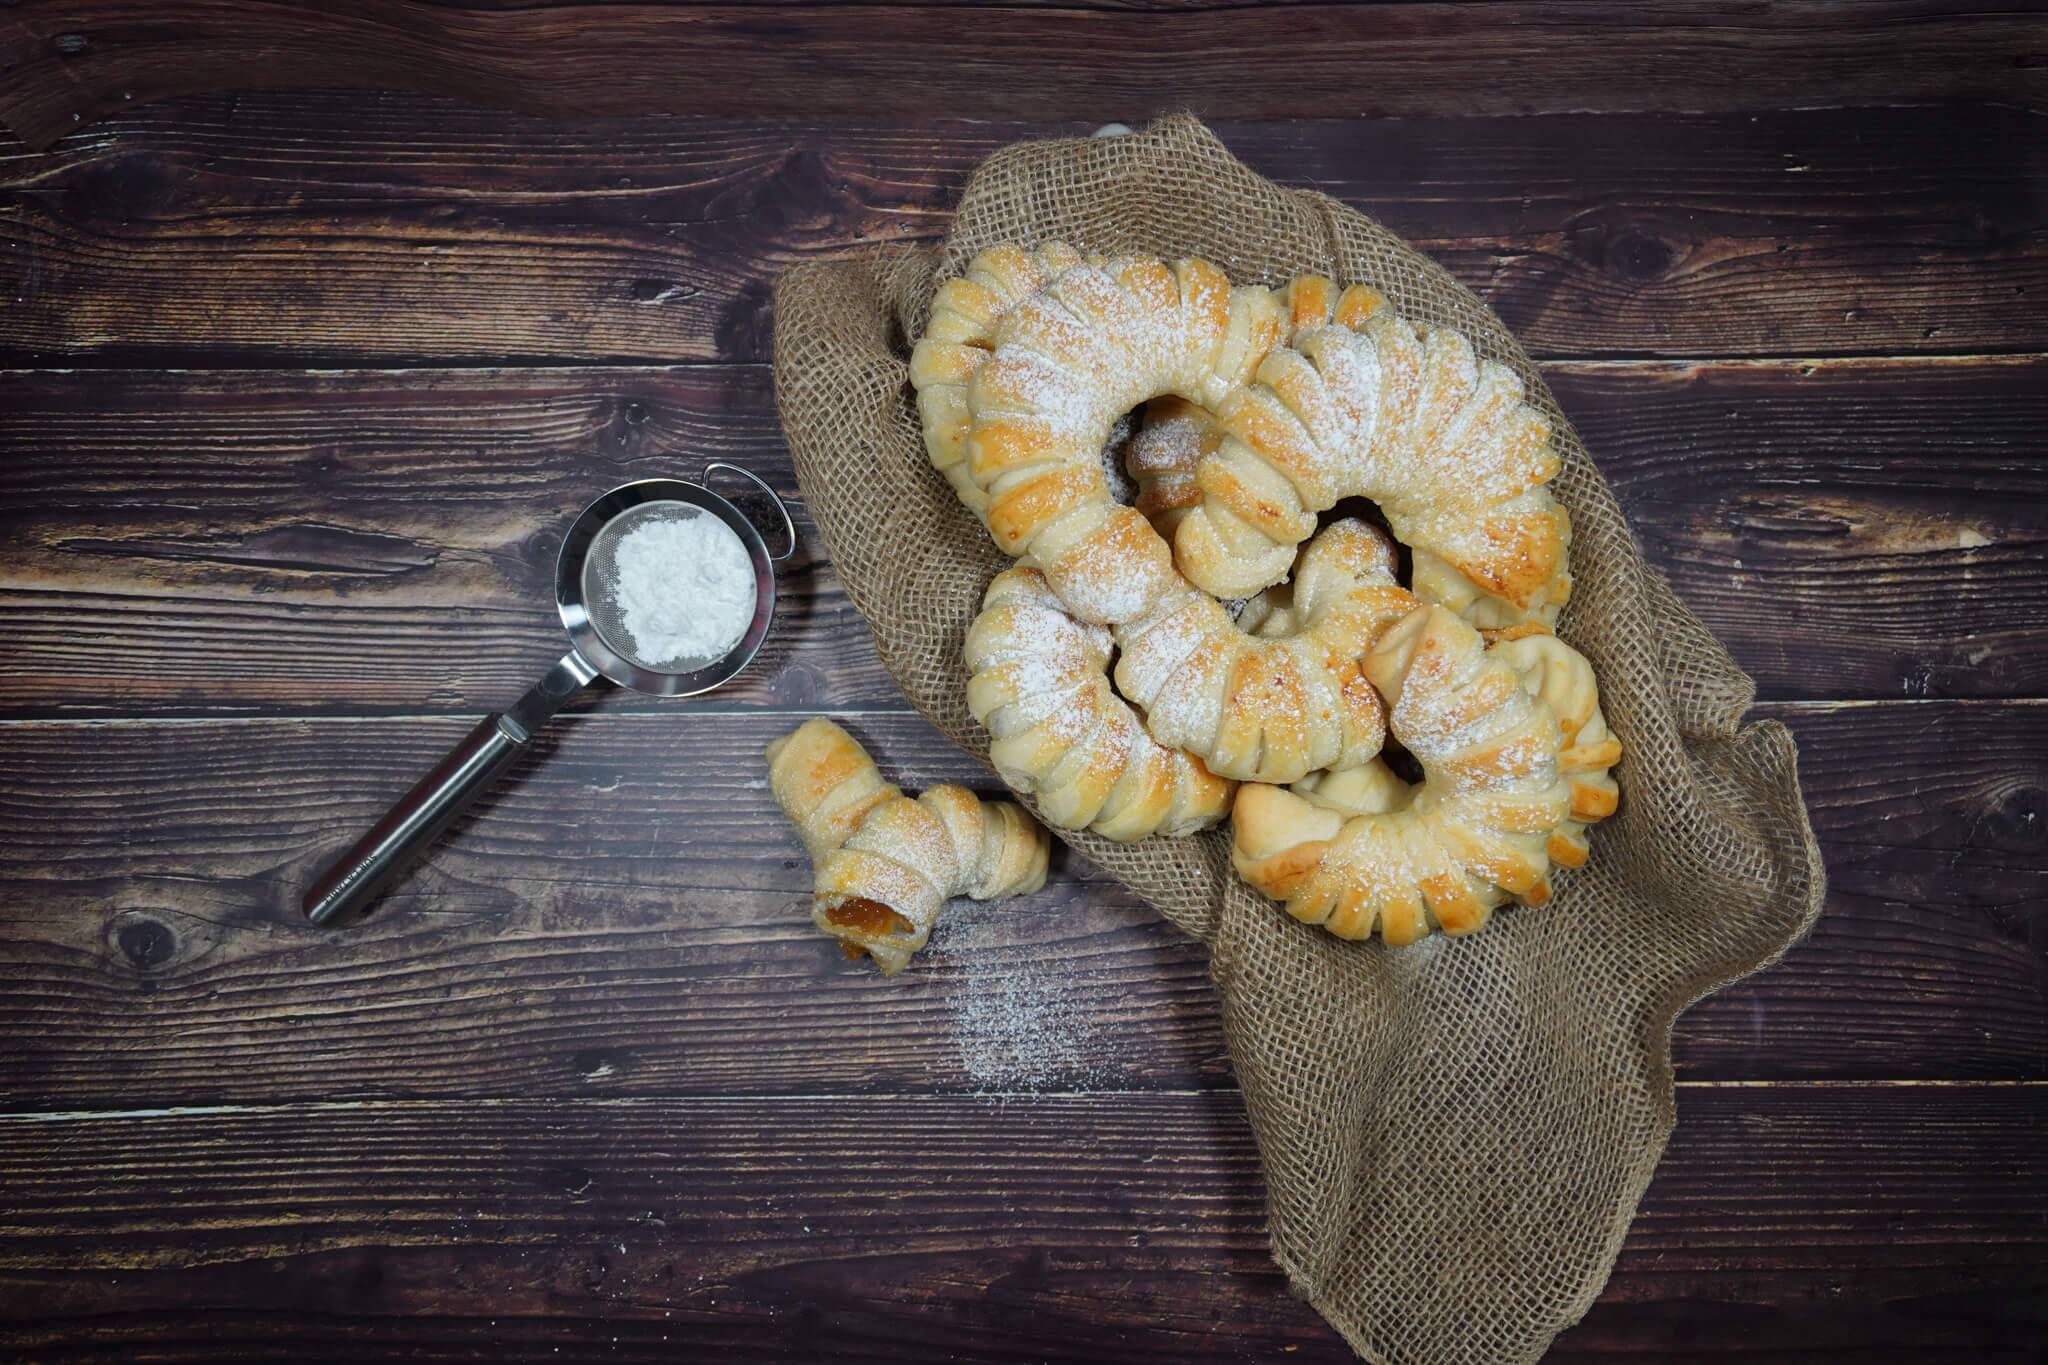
<point>1809,704</point>
<point>1235,62</point>
<point>992,1097</point>
<point>1558,364</point>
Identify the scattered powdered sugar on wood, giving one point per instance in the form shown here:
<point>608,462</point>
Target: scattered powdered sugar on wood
<point>1021,1025</point>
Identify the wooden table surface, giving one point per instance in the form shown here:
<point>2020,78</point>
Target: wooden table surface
<point>301,388</point>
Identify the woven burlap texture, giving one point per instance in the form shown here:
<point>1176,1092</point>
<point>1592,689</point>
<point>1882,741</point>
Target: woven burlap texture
<point>1455,1135</point>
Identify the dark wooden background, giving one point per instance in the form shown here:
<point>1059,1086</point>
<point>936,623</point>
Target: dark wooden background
<point>302,386</point>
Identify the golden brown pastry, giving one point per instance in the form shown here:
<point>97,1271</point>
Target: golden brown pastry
<point>1279,693</point>
<point>957,341</point>
<point>1172,440</point>
<point>1364,405</point>
<point>1474,834</point>
<point>884,865</point>
<point>1368,789</point>
<point>1098,339</point>
<point>1316,394</point>
<point>1562,678</point>
<point>1558,675</point>
<point>1177,435</point>
<point>1039,683</point>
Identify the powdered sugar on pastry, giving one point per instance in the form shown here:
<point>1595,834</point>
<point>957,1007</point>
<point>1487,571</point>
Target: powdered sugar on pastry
<point>1560,677</point>
<point>1476,833</point>
<point>1068,361</point>
<point>1439,439</point>
<point>1271,708</point>
<point>1060,733</point>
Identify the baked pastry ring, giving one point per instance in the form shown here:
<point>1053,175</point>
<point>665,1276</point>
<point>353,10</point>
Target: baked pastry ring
<point>1278,693</point>
<point>1360,404</point>
<point>1560,677</point>
<point>1039,682</point>
<point>1476,833</point>
<point>884,865</point>
<point>1094,342</point>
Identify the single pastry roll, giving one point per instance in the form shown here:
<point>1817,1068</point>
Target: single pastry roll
<point>883,864</point>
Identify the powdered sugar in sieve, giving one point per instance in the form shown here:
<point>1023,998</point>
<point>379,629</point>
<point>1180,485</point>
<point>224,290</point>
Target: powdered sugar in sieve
<point>669,586</point>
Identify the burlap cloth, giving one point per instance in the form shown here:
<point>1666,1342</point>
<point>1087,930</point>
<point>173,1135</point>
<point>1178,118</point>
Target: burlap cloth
<point>1455,1135</point>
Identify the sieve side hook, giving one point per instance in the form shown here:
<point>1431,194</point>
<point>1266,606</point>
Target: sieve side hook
<point>788,524</point>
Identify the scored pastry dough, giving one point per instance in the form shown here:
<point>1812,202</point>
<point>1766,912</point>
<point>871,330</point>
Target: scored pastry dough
<point>883,864</point>
<point>1319,394</point>
<point>1039,683</point>
<point>1476,832</point>
<point>1362,405</point>
<point>1098,339</point>
<point>1286,697</point>
<point>1174,436</point>
<point>1263,409</point>
<point>957,341</point>
<point>1563,679</point>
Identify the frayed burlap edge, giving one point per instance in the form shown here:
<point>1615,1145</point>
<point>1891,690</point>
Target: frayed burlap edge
<point>1455,1136</point>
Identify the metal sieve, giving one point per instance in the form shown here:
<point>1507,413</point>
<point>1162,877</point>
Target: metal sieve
<point>599,645</point>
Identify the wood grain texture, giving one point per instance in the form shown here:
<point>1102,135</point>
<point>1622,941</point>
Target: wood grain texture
<point>81,58</point>
<point>362,540</point>
<point>725,1141</point>
<point>629,916</point>
<point>347,229</point>
<point>927,1228</point>
<point>242,541</point>
<point>1864,529</point>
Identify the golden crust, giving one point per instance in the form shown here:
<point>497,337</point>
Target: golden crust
<point>957,342</point>
<point>1440,439</point>
<point>1276,704</point>
<point>1023,508</point>
<point>1038,682</point>
<point>1265,408</point>
<point>1562,678</point>
<point>884,865</point>
<point>1480,830</point>
<point>1017,410</point>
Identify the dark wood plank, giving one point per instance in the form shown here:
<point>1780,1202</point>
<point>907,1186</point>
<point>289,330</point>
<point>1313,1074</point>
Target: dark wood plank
<point>237,541</point>
<point>1803,1223</point>
<point>362,540</point>
<point>336,228</point>
<point>80,59</point>
<point>1864,529</point>
<point>630,917</point>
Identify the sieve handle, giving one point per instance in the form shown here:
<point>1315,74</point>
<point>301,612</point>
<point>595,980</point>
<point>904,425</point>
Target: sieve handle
<point>423,814</point>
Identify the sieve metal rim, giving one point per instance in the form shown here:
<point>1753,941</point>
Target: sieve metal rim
<point>583,634</point>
